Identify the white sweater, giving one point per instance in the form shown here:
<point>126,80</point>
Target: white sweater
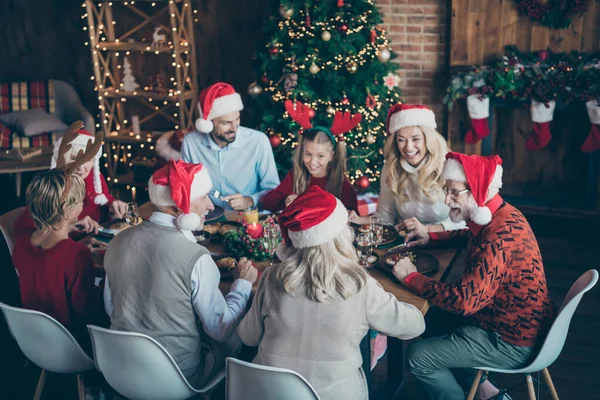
<point>427,210</point>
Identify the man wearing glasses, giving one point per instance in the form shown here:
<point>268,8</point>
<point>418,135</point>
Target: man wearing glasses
<point>500,305</point>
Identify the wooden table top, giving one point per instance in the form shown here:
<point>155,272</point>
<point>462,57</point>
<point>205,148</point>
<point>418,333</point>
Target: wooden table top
<point>37,163</point>
<point>446,258</point>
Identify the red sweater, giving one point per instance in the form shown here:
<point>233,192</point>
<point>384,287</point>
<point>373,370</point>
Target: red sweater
<point>58,281</point>
<point>97,212</point>
<point>504,287</point>
<point>275,200</point>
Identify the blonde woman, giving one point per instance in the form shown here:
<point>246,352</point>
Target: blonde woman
<point>311,311</point>
<point>411,194</point>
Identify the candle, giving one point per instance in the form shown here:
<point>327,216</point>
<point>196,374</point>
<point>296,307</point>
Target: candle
<point>254,230</point>
<point>251,216</point>
<point>135,124</point>
<point>133,190</point>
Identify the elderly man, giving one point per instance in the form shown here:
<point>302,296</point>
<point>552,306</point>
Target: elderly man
<point>502,296</point>
<point>160,282</point>
<point>240,160</point>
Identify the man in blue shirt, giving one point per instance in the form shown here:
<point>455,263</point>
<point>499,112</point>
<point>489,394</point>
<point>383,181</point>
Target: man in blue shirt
<point>240,160</point>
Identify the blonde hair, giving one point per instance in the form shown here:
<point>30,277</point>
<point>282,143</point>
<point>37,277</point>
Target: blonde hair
<point>336,169</point>
<point>322,271</point>
<point>44,197</point>
<point>429,176</point>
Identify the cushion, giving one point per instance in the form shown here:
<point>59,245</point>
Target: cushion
<point>32,122</point>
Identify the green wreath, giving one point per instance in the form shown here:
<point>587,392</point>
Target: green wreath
<point>555,14</point>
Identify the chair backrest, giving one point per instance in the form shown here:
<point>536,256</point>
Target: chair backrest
<point>7,226</point>
<point>45,342</point>
<point>555,341</point>
<point>251,381</point>
<point>137,366</point>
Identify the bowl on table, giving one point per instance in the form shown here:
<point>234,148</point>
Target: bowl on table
<point>202,237</point>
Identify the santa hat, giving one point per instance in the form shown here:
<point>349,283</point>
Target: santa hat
<point>216,100</point>
<point>313,218</point>
<point>592,143</point>
<point>482,174</point>
<point>403,115</point>
<point>541,115</point>
<point>81,140</point>
<point>178,184</point>
<point>479,112</point>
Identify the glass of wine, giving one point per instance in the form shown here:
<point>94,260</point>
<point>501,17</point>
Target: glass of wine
<point>270,240</point>
<point>377,229</point>
<point>132,213</point>
<point>364,247</point>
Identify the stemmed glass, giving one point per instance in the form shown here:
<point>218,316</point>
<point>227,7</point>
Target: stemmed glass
<point>270,240</point>
<point>377,229</point>
<point>132,213</point>
<point>364,248</point>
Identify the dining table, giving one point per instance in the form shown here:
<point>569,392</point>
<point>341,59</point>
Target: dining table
<point>446,256</point>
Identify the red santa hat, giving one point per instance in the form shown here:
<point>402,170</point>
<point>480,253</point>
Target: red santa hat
<point>403,115</point>
<point>214,101</point>
<point>483,174</point>
<point>81,140</point>
<point>313,218</point>
<point>178,184</point>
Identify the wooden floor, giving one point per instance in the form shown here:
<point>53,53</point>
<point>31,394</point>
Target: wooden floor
<point>569,248</point>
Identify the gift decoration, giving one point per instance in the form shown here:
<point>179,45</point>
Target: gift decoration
<point>541,115</point>
<point>367,203</point>
<point>592,143</point>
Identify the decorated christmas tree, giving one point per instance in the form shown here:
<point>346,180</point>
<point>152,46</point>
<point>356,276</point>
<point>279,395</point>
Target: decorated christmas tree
<point>332,56</point>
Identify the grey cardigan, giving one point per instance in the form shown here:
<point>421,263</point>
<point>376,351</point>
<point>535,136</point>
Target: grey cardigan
<point>321,341</point>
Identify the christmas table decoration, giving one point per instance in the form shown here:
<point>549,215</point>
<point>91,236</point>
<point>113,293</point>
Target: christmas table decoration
<point>246,241</point>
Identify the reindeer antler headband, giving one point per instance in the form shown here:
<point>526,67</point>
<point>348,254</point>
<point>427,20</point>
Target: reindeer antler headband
<point>91,149</point>
<point>342,121</point>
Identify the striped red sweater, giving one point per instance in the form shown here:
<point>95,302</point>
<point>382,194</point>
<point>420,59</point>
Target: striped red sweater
<point>504,287</point>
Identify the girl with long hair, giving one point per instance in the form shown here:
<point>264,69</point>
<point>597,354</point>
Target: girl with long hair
<point>319,159</point>
<point>311,311</point>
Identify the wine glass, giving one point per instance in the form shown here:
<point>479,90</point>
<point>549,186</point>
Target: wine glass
<point>377,229</point>
<point>270,240</point>
<point>364,248</point>
<point>132,213</point>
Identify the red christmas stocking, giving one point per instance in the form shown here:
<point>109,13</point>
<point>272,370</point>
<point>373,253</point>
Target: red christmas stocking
<point>479,112</point>
<point>592,143</point>
<point>541,117</point>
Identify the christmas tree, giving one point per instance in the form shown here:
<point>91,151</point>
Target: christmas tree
<point>332,56</point>
<point>129,83</point>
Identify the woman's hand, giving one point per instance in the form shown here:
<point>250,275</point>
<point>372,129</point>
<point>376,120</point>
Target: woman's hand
<point>245,270</point>
<point>86,225</point>
<point>352,216</point>
<point>290,198</point>
<point>118,209</point>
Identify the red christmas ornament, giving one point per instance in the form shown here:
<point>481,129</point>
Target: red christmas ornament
<point>373,35</point>
<point>543,55</point>
<point>340,3</point>
<point>311,113</point>
<point>274,50</point>
<point>362,183</point>
<point>264,79</point>
<point>275,141</point>
<point>345,101</point>
<point>343,28</point>
<point>370,101</point>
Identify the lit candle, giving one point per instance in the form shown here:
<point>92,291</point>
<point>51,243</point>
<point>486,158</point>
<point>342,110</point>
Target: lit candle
<point>251,216</point>
<point>133,193</point>
<point>254,230</point>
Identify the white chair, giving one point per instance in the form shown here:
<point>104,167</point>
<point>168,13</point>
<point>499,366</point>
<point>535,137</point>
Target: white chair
<point>139,368</point>
<point>251,381</point>
<point>554,342</point>
<point>7,226</point>
<point>47,344</point>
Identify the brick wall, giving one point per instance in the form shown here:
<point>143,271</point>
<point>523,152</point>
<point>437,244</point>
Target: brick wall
<point>418,31</point>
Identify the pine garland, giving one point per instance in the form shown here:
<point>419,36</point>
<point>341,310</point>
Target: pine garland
<point>555,14</point>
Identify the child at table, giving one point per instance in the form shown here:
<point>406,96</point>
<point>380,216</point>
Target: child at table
<point>56,274</point>
<point>320,159</point>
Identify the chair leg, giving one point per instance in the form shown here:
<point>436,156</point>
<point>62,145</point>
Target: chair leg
<point>530,387</point>
<point>80,387</point>
<point>475,385</point>
<point>40,386</point>
<point>550,384</point>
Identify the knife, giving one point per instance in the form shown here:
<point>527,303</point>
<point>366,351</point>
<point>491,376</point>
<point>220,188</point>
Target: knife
<point>397,249</point>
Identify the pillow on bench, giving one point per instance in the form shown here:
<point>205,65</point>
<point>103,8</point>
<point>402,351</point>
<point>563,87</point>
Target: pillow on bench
<point>32,122</point>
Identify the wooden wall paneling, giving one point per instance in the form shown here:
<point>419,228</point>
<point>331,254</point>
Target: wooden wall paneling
<point>458,37</point>
<point>475,30</point>
<point>590,34</point>
<point>492,41</point>
<point>207,43</point>
<point>511,28</point>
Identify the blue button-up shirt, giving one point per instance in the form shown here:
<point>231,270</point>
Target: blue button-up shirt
<point>246,166</point>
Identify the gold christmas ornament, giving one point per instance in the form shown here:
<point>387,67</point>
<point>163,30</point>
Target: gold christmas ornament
<point>314,69</point>
<point>352,67</point>
<point>330,110</point>
<point>286,12</point>
<point>384,54</point>
<point>254,90</point>
<point>326,36</point>
<point>370,139</point>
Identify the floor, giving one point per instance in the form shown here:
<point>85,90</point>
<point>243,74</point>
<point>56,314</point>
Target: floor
<point>569,248</point>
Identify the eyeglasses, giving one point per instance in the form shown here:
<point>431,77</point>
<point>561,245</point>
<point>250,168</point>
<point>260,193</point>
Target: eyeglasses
<point>453,192</point>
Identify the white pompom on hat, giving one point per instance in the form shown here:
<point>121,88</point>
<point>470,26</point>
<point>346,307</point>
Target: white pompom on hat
<point>483,174</point>
<point>81,140</point>
<point>403,115</point>
<point>214,101</point>
<point>313,218</point>
<point>178,184</point>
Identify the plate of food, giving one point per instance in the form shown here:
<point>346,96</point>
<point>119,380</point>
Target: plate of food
<point>219,229</point>
<point>373,259</point>
<point>202,237</point>
<point>425,263</point>
<point>226,263</point>
<point>390,234</point>
<point>214,214</point>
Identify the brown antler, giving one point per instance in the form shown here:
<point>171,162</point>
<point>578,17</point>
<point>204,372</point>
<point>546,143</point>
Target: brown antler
<point>65,143</point>
<point>91,149</point>
<point>344,122</point>
<point>299,113</point>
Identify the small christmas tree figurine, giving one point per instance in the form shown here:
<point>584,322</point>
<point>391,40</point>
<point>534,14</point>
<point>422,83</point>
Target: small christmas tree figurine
<point>129,83</point>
